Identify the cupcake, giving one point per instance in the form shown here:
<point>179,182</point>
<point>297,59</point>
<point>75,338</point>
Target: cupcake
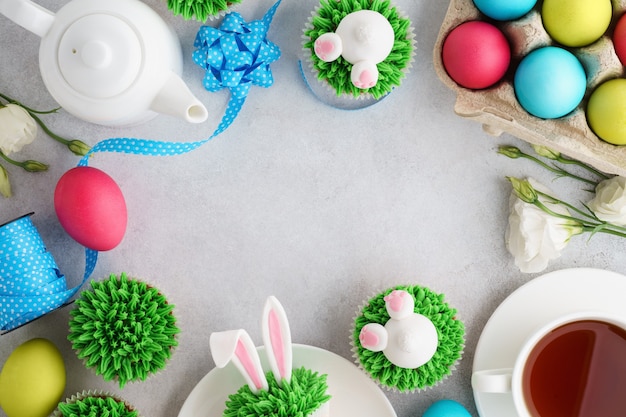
<point>407,338</point>
<point>359,48</point>
<point>282,391</point>
<point>123,328</point>
<point>200,10</point>
<point>94,403</point>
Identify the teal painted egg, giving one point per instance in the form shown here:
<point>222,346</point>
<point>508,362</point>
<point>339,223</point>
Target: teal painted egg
<point>446,408</point>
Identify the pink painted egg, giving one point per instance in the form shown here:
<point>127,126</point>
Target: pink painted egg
<point>91,208</point>
<point>476,54</point>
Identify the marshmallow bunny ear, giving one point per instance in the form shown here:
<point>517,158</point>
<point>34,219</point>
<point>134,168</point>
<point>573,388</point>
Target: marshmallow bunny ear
<point>277,339</point>
<point>237,346</point>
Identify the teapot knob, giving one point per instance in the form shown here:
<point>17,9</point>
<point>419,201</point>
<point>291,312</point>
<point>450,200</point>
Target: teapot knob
<point>96,54</point>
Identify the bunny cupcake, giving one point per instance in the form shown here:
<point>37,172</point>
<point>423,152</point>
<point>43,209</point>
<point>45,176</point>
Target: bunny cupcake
<point>283,391</point>
<point>359,48</point>
<point>407,338</point>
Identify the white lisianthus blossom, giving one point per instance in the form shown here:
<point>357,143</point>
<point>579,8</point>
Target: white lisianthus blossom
<point>17,128</point>
<point>535,237</point>
<point>609,203</point>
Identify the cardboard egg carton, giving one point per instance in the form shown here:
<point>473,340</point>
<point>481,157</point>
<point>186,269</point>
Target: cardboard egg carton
<point>497,108</point>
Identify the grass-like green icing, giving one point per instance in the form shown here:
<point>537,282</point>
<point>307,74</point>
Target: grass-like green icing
<point>123,328</point>
<point>450,330</point>
<point>199,10</point>
<point>304,394</point>
<point>337,73</point>
<point>96,406</point>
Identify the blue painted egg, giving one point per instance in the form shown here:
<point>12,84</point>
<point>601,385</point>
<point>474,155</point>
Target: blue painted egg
<point>505,9</point>
<point>446,408</point>
<point>550,82</point>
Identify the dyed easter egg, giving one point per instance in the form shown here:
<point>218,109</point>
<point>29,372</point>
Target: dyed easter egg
<point>550,82</point>
<point>576,23</point>
<point>476,54</point>
<point>619,39</point>
<point>504,9</point>
<point>32,379</point>
<point>91,208</point>
<point>446,408</point>
<point>606,111</point>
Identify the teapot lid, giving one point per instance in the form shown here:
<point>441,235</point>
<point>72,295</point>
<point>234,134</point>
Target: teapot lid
<point>99,47</point>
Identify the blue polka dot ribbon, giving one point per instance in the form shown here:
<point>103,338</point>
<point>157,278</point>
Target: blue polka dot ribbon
<point>31,284</point>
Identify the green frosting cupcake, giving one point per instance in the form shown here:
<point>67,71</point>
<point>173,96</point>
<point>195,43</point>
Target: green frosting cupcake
<point>95,405</point>
<point>337,73</point>
<point>451,341</point>
<point>123,328</point>
<point>200,10</point>
<point>304,394</point>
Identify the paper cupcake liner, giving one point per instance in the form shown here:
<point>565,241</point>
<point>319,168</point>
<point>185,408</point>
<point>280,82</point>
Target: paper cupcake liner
<point>94,393</point>
<point>450,367</point>
<point>156,367</point>
<point>326,92</point>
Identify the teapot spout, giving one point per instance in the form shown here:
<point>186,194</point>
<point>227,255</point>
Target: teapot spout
<point>29,15</point>
<point>175,99</point>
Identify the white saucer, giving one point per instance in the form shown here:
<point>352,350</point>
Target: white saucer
<point>532,305</point>
<point>352,392</point>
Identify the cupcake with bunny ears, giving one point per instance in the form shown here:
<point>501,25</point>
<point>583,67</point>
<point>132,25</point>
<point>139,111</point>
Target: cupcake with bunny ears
<point>407,338</point>
<point>283,390</point>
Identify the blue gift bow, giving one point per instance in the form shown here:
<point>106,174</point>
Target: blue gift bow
<point>245,62</point>
<point>237,55</point>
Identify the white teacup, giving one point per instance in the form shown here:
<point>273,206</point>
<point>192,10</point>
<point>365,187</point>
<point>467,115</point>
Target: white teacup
<point>573,365</point>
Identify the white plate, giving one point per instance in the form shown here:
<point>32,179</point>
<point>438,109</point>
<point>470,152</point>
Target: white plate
<point>532,305</point>
<point>353,393</point>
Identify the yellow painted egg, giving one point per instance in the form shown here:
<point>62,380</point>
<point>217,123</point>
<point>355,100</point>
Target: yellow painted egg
<point>606,111</point>
<point>32,380</point>
<point>576,23</point>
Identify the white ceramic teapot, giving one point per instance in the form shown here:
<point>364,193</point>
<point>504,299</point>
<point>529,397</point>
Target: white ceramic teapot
<point>112,62</point>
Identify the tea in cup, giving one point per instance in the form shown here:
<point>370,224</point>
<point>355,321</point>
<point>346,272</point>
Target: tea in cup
<point>573,366</point>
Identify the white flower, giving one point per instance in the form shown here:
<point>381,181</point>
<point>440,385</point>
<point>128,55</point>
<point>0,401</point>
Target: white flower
<point>17,128</point>
<point>609,203</point>
<point>535,237</point>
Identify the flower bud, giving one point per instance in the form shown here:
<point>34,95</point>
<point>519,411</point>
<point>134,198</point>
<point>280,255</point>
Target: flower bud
<point>34,166</point>
<point>546,152</point>
<point>523,189</point>
<point>17,128</point>
<point>5,185</point>
<point>510,151</point>
<point>78,147</point>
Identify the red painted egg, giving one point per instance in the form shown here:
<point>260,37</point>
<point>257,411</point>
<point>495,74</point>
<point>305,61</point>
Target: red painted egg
<point>619,39</point>
<point>476,54</point>
<point>91,208</point>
